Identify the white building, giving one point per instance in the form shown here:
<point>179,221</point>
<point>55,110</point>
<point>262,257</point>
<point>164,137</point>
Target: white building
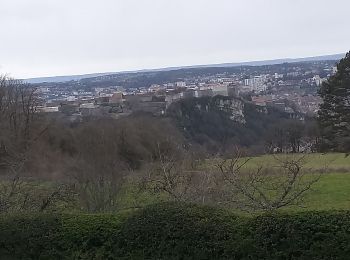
<point>257,83</point>
<point>278,76</point>
<point>44,90</point>
<point>88,106</point>
<point>259,88</point>
<point>155,88</point>
<point>181,84</point>
<point>47,109</point>
<point>71,98</point>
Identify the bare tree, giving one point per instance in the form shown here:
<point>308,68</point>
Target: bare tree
<point>177,174</point>
<point>96,169</point>
<point>18,132</point>
<point>165,175</point>
<point>266,188</point>
<point>17,110</point>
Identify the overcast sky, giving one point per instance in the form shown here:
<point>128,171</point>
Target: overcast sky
<point>60,37</point>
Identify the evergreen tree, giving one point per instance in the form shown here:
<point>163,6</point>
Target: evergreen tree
<point>334,113</point>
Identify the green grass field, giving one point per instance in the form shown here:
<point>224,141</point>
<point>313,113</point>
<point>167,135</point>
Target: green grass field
<point>332,191</point>
<point>332,162</point>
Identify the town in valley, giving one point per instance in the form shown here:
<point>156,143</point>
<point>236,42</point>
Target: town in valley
<point>290,87</point>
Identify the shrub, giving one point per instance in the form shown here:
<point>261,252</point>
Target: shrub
<point>57,237</point>
<point>176,231</point>
<point>182,231</point>
<point>308,235</point>
<point>29,237</point>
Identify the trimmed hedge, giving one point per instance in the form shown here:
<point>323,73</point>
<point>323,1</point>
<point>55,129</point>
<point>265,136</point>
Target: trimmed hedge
<point>309,235</point>
<point>176,231</point>
<point>58,237</point>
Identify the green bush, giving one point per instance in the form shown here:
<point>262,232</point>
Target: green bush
<point>176,231</point>
<point>58,237</point>
<point>309,235</point>
<point>29,237</point>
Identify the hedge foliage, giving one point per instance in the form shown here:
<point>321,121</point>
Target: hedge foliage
<point>176,231</point>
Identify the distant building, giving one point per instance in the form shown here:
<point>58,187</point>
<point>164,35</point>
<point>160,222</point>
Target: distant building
<point>278,76</point>
<point>257,83</point>
<point>87,105</point>
<point>71,98</point>
<point>244,89</point>
<point>221,90</point>
<point>45,109</point>
<point>189,93</point>
<point>117,98</point>
<point>155,88</point>
<point>280,105</point>
<point>43,90</point>
<point>98,91</point>
<point>204,93</point>
<point>259,88</point>
<point>102,100</point>
<point>180,84</point>
<point>173,97</point>
<point>69,108</point>
<point>146,103</point>
<point>293,74</point>
<point>259,100</point>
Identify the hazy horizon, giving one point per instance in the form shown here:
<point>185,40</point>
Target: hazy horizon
<point>53,38</point>
<point>184,66</point>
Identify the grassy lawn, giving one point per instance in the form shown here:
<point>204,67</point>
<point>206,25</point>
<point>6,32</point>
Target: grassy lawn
<point>332,161</point>
<point>331,192</point>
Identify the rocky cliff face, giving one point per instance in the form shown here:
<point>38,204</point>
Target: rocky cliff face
<point>231,106</point>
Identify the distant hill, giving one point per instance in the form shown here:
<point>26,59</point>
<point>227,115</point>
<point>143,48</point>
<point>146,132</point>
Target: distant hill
<point>56,79</point>
<point>249,63</point>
